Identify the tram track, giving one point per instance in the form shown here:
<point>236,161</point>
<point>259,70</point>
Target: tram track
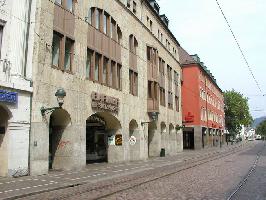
<point>109,187</point>
<point>183,168</point>
<point>245,179</point>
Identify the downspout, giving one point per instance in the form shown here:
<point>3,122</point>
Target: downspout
<point>25,71</point>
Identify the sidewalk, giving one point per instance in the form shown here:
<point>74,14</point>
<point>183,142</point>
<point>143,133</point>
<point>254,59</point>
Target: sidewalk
<point>11,188</point>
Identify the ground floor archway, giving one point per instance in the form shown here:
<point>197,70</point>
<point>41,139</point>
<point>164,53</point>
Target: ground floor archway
<point>59,140</point>
<point>4,117</point>
<point>134,140</point>
<point>102,134</point>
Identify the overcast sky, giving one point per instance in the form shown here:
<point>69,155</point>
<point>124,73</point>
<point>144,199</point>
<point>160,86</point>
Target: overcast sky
<point>200,28</point>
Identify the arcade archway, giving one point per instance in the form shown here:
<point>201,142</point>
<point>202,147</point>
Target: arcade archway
<point>58,140</point>
<point>134,140</point>
<point>5,115</point>
<point>101,129</point>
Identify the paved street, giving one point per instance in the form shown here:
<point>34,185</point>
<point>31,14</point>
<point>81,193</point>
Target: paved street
<point>102,173</point>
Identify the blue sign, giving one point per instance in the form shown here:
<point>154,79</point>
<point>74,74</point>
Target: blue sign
<point>9,97</point>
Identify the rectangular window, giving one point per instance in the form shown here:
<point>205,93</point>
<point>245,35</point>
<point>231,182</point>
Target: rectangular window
<point>97,19</point>
<point>105,66</point>
<point>1,36</point>
<point>135,83</point>
<point>151,26</point>
<point>119,84</point>
<point>128,3</point>
<point>89,64</point>
<point>89,17</point>
<point>68,54</point>
<point>130,82</point>
<point>177,103</point>
<point>97,66</point>
<point>105,19</point>
<point>69,5</point>
<point>56,49</point>
<point>59,2</point>
<point>113,29</point>
<point>149,89</point>
<point>148,53</point>
<point>113,66</point>
<point>134,7</point>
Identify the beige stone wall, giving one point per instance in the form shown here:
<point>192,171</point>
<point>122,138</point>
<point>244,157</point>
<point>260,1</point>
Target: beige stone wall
<point>78,99</point>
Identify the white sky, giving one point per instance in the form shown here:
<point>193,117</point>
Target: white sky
<point>200,28</point>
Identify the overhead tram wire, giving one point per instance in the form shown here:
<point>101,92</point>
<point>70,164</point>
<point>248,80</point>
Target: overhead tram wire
<point>239,47</point>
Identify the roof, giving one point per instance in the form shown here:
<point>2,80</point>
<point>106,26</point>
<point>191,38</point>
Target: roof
<point>186,59</point>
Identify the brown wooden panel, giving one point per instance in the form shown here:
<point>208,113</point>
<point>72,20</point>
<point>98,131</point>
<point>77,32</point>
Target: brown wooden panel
<point>69,23</point>
<point>118,52</point>
<point>105,44</point>
<point>112,49</point>
<point>149,71</point>
<point>132,61</point>
<point>150,105</point>
<point>98,40</point>
<point>90,39</point>
<point>59,18</point>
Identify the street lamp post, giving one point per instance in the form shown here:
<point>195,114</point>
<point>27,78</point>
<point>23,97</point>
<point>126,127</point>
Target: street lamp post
<point>60,95</point>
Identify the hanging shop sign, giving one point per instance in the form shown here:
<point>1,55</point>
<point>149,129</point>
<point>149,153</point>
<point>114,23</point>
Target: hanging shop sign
<point>104,103</point>
<point>8,97</point>
<point>118,140</point>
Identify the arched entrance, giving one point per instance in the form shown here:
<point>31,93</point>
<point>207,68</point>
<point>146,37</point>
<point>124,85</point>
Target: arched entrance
<point>101,130</point>
<point>134,140</point>
<point>58,138</point>
<point>5,115</point>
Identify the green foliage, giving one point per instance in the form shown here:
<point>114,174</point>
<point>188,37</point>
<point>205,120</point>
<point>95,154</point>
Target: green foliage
<point>236,111</point>
<point>261,129</point>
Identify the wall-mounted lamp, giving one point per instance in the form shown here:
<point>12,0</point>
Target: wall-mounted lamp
<point>177,128</point>
<point>60,94</point>
<point>153,116</point>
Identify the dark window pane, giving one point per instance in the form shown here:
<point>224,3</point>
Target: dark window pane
<point>69,5</point>
<point>68,54</point>
<point>96,69</point>
<point>105,64</point>
<point>88,64</point>
<point>56,49</point>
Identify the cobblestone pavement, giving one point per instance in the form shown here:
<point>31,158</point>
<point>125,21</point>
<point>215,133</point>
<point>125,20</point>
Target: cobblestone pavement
<point>104,178</point>
<point>255,186</point>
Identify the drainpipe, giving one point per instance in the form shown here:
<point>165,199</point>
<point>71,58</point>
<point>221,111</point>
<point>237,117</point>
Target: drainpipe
<point>24,73</point>
<point>27,40</point>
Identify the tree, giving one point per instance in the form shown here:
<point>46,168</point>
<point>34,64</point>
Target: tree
<point>236,111</point>
<point>261,129</point>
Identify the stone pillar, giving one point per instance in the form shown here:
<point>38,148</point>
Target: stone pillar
<point>197,137</point>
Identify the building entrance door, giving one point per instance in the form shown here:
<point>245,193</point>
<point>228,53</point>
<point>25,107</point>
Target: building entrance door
<point>96,140</point>
<point>188,139</point>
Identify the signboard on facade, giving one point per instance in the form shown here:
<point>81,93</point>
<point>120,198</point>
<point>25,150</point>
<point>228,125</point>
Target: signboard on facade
<point>189,117</point>
<point>111,140</point>
<point>118,140</point>
<point>9,97</point>
<point>132,140</point>
<point>104,103</point>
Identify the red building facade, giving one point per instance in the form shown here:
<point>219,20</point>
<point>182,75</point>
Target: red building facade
<point>202,105</point>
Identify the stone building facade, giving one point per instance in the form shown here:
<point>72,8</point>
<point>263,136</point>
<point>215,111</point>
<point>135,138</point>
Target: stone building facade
<point>203,105</point>
<point>16,50</point>
<point>118,63</point>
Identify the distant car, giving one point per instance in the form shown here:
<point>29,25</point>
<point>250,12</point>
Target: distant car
<point>258,137</point>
